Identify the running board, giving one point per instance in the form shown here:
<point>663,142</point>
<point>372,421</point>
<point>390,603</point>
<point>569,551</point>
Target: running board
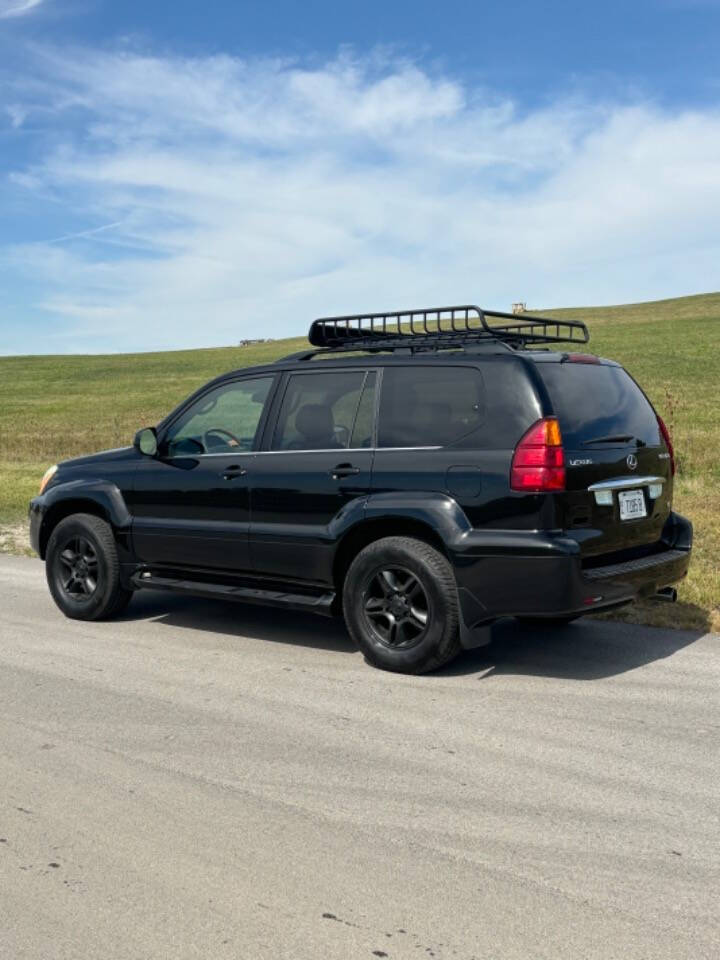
<point>315,603</point>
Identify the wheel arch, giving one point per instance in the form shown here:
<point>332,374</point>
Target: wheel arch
<point>377,528</point>
<point>98,499</point>
<point>63,509</point>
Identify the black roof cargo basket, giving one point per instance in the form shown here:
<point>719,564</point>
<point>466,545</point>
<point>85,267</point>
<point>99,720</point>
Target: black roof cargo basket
<point>440,328</point>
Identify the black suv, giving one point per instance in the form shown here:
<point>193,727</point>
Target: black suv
<point>424,472</point>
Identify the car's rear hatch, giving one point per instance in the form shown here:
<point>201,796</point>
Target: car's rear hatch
<point>618,469</point>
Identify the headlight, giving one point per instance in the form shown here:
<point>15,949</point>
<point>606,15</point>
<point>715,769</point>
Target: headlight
<point>49,474</point>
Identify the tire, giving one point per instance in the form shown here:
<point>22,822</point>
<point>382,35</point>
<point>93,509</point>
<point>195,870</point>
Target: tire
<point>83,570</point>
<point>401,607</point>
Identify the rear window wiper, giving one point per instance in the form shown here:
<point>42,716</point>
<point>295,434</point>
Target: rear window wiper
<point>614,438</point>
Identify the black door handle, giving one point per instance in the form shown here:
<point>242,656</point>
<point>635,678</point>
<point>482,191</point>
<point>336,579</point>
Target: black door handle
<point>344,470</point>
<point>230,473</point>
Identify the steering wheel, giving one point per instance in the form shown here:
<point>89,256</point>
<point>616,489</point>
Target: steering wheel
<point>220,432</point>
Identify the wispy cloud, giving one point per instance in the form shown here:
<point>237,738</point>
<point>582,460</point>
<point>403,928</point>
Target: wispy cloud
<point>17,8</point>
<point>255,195</point>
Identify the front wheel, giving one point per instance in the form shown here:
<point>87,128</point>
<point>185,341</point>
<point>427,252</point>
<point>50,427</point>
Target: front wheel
<point>83,570</point>
<point>400,605</point>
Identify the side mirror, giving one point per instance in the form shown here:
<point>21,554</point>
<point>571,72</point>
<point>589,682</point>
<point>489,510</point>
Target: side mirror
<point>146,442</point>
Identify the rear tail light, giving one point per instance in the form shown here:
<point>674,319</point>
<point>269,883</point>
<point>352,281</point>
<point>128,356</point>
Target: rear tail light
<point>538,464</point>
<point>668,443</point>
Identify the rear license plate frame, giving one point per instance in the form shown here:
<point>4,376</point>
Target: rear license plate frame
<point>632,505</point>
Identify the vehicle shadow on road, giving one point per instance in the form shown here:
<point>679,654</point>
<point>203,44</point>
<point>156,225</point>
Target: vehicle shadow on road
<point>584,650</point>
<point>242,620</point>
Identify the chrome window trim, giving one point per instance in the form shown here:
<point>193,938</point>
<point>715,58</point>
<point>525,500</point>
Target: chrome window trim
<point>341,450</point>
<point>436,447</point>
<point>203,456</point>
<point>261,453</point>
<point>625,483</point>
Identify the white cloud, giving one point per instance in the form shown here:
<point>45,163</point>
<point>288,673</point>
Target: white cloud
<point>16,114</point>
<point>235,198</point>
<point>17,8</point>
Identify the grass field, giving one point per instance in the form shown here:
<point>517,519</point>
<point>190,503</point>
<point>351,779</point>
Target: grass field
<point>56,407</point>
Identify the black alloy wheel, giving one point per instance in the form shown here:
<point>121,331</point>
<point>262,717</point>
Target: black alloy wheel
<point>397,608</point>
<point>77,568</point>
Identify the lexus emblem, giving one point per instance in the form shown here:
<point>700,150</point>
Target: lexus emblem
<point>631,461</point>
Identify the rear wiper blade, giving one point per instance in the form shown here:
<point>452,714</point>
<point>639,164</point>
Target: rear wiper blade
<point>614,438</point>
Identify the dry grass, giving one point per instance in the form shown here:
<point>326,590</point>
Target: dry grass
<point>14,539</point>
<point>52,408</point>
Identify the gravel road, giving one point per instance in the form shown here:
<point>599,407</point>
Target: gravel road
<point>202,779</point>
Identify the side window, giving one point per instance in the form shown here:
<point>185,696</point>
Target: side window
<point>318,411</point>
<point>429,406</point>
<point>225,420</point>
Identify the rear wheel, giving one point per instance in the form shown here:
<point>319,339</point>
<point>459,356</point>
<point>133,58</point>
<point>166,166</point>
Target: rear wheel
<point>400,605</point>
<point>83,570</point>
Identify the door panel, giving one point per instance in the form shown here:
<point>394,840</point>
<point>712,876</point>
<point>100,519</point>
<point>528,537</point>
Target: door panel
<point>320,464</point>
<point>193,512</point>
<point>296,500</point>
<point>191,504</point>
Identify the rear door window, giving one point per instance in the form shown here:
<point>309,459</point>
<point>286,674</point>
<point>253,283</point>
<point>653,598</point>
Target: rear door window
<point>319,410</point>
<point>593,401</point>
<point>429,406</point>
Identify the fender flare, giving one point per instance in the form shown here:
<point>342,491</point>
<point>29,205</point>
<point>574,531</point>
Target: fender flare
<point>435,509</point>
<point>438,511</point>
<point>102,493</point>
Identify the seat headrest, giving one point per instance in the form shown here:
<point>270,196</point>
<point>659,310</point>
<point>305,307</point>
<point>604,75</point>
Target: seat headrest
<point>315,422</point>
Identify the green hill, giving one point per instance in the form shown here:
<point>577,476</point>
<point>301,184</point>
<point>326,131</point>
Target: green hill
<point>54,407</point>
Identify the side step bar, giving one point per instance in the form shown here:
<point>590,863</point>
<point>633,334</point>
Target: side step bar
<point>316,603</point>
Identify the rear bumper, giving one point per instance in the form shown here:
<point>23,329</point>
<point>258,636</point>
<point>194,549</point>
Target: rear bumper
<point>540,575</point>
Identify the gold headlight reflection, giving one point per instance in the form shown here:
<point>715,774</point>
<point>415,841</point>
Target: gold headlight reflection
<point>49,474</point>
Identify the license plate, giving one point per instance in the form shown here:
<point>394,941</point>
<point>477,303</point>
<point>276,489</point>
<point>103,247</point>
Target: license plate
<point>632,504</point>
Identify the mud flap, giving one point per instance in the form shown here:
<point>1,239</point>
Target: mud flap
<point>475,629</point>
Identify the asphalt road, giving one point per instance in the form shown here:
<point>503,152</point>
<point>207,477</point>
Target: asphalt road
<point>209,780</point>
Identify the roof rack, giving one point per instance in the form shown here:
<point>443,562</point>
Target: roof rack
<point>436,328</point>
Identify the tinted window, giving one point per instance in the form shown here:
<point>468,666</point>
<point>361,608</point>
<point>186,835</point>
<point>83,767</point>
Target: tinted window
<point>225,420</point>
<point>428,406</point>
<point>595,400</point>
<point>318,411</point>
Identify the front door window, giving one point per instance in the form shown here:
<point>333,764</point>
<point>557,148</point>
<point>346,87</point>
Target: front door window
<point>224,420</point>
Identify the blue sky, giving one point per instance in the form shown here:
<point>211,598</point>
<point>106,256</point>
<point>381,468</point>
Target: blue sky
<point>184,174</point>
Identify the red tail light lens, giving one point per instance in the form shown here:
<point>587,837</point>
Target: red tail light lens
<point>668,443</point>
<point>581,358</point>
<point>538,464</point>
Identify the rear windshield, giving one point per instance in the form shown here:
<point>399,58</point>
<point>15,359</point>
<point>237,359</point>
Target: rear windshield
<point>592,401</point>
